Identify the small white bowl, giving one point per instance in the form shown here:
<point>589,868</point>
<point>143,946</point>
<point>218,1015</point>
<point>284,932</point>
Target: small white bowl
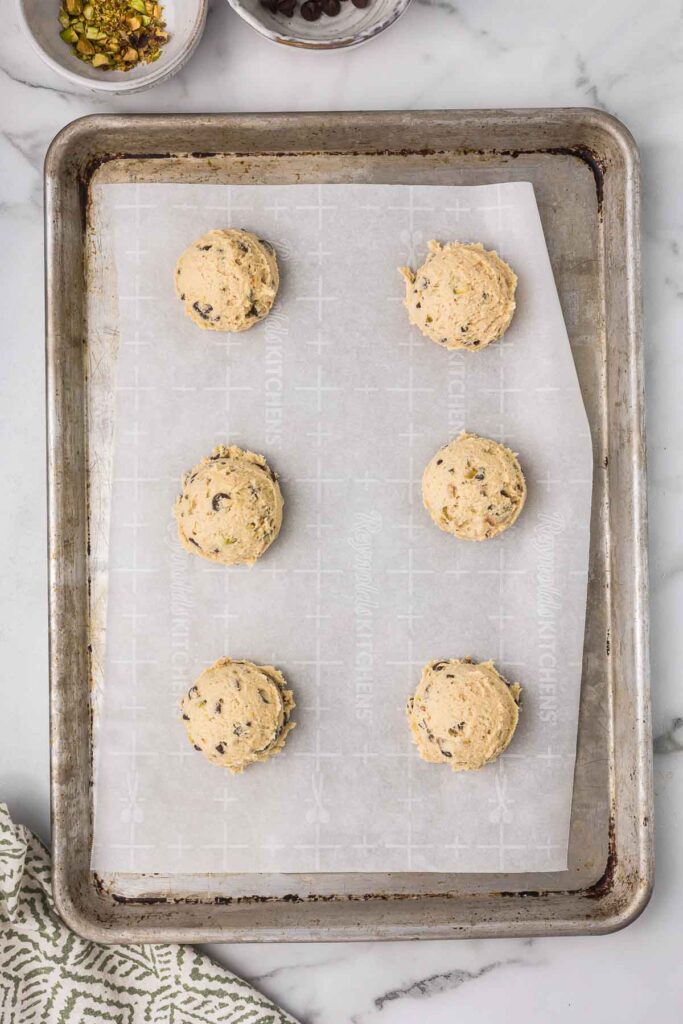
<point>351,27</point>
<point>185,22</point>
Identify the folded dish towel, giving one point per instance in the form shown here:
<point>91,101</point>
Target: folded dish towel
<point>48,975</point>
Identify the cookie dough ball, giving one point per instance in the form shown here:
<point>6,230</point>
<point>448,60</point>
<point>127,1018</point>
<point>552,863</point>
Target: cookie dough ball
<point>238,713</point>
<point>473,487</point>
<point>463,714</point>
<point>228,280</point>
<point>462,296</point>
<point>230,507</point>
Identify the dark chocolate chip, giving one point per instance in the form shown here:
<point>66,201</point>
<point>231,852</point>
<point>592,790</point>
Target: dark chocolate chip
<point>203,309</point>
<point>196,746</point>
<point>186,717</point>
<point>270,5</point>
<point>220,747</point>
<point>446,753</point>
<point>253,311</point>
<point>219,706</point>
<point>286,7</point>
<point>439,461</point>
<point>331,8</point>
<point>310,10</point>
<point>204,248</point>
<point>193,541</point>
<point>219,501</point>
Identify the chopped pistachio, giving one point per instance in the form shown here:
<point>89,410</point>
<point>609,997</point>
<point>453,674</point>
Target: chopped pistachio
<point>113,34</point>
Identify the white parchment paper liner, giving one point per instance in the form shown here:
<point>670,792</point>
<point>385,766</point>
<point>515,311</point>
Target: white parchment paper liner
<point>348,402</point>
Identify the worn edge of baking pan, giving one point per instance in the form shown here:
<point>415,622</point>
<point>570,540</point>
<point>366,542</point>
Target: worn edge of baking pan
<point>623,891</point>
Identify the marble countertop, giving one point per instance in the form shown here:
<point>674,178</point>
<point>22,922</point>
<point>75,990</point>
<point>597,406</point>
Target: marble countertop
<point>625,57</point>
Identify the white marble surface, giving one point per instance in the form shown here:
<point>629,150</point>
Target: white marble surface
<point>625,56</point>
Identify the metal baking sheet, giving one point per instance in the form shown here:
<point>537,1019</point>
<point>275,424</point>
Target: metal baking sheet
<point>584,169</point>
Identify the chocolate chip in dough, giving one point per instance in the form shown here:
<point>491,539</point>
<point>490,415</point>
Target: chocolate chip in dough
<point>219,501</point>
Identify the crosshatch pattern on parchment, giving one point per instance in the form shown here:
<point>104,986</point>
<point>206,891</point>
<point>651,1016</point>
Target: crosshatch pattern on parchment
<point>348,402</point>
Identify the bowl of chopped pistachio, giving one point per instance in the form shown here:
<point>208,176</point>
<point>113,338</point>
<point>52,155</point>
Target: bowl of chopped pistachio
<point>320,24</point>
<point>114,46</point>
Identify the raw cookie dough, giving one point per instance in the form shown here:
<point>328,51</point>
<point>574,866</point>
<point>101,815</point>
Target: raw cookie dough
<point>230,507</point>
<point>473,487</point>
<point>463,714</point>
<point>228,280</point>
<point>238,713</point>
<point>462,296</point>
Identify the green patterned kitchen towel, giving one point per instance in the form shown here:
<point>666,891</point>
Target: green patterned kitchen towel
<point>48,975</point>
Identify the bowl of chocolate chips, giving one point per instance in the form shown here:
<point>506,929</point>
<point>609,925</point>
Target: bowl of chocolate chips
<point>320,24</point>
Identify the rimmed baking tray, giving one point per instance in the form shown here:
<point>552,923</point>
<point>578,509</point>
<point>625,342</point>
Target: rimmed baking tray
<point>584,168</point>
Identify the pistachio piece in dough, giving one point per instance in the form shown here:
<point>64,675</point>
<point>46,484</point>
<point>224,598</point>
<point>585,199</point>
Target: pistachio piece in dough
<point>463,714</point>
<point>463,296</point>
<point>227,280</point>
<point>473,487</point>
<point>238,713</point>
<point>230,507</point>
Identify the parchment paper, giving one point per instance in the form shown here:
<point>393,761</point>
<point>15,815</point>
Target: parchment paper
<point>348,402</point>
